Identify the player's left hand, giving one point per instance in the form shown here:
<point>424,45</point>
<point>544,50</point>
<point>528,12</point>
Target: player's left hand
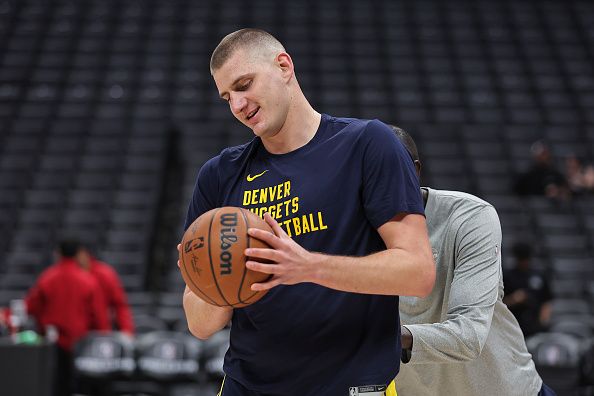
<point>292,264</point>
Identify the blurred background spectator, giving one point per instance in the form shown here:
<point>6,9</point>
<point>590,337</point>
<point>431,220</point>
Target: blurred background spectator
<point>527,291</point>
<point>69,299</point>
<point>580,177</point>
<point>113,294</point>
<point>542,178</point>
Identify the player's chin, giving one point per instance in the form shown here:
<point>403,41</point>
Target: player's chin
<point>258,129</point>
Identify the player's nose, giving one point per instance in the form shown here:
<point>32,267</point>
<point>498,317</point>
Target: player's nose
<point>237,102</point>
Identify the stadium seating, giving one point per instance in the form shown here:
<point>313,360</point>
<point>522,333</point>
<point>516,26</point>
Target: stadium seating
<point>107,111</point>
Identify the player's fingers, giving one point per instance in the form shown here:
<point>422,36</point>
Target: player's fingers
<point>267,254</point>
<point>278,230</point>
<point>266,285</point>
<point>178,265</point>
<point>261,267</point>
<point>265,236</point>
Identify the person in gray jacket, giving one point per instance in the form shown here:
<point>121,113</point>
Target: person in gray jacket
<point>462,339</point>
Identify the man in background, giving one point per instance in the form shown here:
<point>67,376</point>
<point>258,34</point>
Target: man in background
<point>462,339</point>
<point>113,294</point>
<point>542,178</point>
<point>528,294</point>
<point>68,298</point>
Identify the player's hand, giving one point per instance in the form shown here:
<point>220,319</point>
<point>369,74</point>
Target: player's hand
<point>178,254</point>
<point>291,263</point>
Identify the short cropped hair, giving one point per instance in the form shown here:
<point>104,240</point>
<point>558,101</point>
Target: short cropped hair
<point>522,251</point>
<point>407,141</point>
<point>69,247</point>
<point>243,38</point>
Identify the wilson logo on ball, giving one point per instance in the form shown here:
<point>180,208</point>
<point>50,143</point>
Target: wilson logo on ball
<point>228,238</point>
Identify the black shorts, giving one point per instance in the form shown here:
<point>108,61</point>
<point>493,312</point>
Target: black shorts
<point>230,387</point>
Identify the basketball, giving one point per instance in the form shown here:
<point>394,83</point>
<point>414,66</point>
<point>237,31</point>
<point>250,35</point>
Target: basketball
<point>212,259</point>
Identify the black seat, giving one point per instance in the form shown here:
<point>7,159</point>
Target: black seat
<point>587,365</point>
<point>104,356</point>
<point>165,356</point>
<point>581,328</point>
<point>556,357</point>
<point>145,323</point>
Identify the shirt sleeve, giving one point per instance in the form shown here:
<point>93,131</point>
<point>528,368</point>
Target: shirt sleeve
<point>119,302</point>
<point>474,292</point>
<point>98,312</point>
<point>390,183</point>
<point>205,193</point>
<point>35,300</point>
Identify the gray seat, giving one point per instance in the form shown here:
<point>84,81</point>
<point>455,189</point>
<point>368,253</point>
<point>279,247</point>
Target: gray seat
<point>573,268</point>
<point>104,356</point>
<point>16,281</point>
<point>168,356</point>
<point>147,323</point>
<point>567,288</point>
<point>567,306</point>
<point>578,328</point>
<point>556,357</point>
<point>46,199</point>
<point>51,179</point>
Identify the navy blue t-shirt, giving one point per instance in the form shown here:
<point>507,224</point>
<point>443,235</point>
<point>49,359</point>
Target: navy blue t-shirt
<point>330,196</point>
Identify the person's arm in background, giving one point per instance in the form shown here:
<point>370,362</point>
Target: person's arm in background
<point>545,314</point>
<point>473,295</point>
<point>515,298</point>
<point>35,300</point>
<point>97,310</point>
<point>546,308</point>
<point>118,300</point>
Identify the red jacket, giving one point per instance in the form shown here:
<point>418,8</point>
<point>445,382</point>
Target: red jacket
<point>69,298</point>
<point>114,296</point>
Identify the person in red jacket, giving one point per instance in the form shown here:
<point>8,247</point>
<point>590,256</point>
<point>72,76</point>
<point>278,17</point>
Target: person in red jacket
<point>68,298</point>
<point>113,294</point>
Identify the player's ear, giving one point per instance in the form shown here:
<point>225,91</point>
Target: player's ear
<point>285,63</point>
<point>418,167</point>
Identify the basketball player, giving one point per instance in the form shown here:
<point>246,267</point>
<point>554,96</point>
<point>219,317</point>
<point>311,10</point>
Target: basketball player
<point>350,235</point>
<point>462,339</point>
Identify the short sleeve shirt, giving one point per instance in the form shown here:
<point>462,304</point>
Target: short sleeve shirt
<point>330,196</point>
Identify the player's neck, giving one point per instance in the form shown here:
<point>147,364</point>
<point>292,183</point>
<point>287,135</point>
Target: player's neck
<point>300,127</point>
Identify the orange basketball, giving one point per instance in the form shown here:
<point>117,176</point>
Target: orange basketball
<point>212,259</point>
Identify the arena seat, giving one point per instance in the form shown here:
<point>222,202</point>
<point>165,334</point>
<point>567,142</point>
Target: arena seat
<point>101,358</point>
<point>168,356</point>
<point>556,357</point>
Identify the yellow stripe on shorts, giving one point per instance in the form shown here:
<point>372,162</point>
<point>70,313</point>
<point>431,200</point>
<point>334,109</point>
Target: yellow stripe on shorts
<point>222,384</point>
<point>391,390</point>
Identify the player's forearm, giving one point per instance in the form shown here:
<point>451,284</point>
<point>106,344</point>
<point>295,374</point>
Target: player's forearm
<point>204,319</point>
<point>390,272</point>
